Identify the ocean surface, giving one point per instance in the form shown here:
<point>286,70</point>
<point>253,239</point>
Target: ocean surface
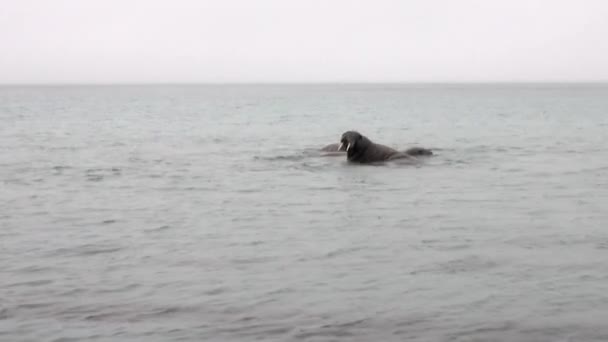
<point>208,213</point>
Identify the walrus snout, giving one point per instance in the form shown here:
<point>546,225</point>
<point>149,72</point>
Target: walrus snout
<point>348,140</point>
<point>344,146</point>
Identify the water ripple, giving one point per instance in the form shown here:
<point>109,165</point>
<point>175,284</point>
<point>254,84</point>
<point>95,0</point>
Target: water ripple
<point>224,222</point>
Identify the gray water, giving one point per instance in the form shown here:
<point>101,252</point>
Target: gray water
<point>207,213</point>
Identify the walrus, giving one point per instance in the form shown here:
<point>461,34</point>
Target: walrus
<point>412,151</point>
<point>332,148</point>
<point>360,149</point>
<point>418,151</point>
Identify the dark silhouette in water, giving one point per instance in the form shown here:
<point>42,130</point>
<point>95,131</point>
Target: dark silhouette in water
<point>338,149</point>
<point>418,151</point>
<point>361,149</point>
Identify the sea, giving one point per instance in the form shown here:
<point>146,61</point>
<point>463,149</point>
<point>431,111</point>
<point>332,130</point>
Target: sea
<point>209,213</point>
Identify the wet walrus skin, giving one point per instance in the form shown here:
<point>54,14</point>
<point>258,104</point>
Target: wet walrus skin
<point>360,149</point>
<point>331,148</point>
<point>412,151</point>
<point>418,151</point>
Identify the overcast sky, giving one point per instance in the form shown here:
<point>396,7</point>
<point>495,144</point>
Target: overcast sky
<point>140,41</point>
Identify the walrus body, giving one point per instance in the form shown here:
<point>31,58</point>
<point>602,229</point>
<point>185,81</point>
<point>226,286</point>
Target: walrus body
<point>418,151</point>
<point>331,148</point>
<point>340,149</point>
<point>360,149</point>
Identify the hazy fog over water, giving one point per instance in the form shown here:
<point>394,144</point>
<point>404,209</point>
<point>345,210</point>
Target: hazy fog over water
<point>66,41</point>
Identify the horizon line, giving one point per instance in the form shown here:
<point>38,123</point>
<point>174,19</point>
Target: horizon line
<point>260,83</point>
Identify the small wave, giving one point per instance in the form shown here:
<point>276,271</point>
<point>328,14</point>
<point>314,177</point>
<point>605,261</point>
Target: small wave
<point>345,324</point>
<point>327,331</point>
<point>322,188</point>
<point>258,330</point>
<point>72,292</point>
<point>463,265</point>
<point>114,170</point>
<point>95,178</point>
<point>29,306</point>
<point>5,314</point>
<point>123,313</point>
<point>34,269</point>
<point>280,158</point>
<point>216,291</point>
<point>118,289</point>
<point>31,283</point>
<point>99,174</point>
<point>296,156</point>
<point>59,169</point>
<point>86,250</point>
<point>254,260</point>
<point>342,251</point>
<point>100,316</point>
<point>163,312</point>
<point>158,229</point>
<point>100,250</point>
<point>484,329</point>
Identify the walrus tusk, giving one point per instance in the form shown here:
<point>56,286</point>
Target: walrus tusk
<point>340,147</point>
<point>348,147</point>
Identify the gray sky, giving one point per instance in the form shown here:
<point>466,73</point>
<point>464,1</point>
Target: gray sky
<point>108,41</point>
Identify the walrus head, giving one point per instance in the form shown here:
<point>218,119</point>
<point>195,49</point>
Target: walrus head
<point>353,143</point>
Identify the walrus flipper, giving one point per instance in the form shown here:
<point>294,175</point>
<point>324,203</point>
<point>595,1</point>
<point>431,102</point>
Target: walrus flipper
<point>400,155</point>
<point>419,151</point>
